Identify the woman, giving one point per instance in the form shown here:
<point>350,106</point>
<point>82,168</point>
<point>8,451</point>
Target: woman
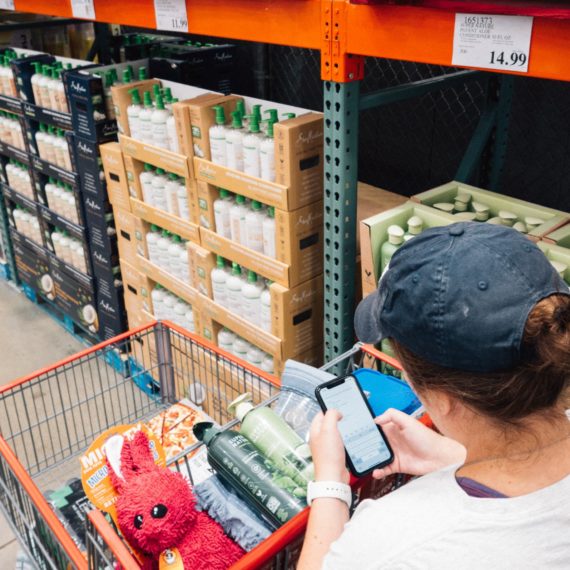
<point>480,321</point>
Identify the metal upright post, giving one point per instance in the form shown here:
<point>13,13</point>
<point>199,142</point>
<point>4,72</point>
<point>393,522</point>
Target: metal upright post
<point>341,177</point>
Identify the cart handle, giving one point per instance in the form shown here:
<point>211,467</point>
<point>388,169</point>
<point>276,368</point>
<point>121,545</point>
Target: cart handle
<point>112,540</point>
<point>370,349</point>
<point>76,557</point>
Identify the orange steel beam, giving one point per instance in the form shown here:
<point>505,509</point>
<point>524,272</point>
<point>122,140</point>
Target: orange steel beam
<point>286,22</point>
<point>426,35</point>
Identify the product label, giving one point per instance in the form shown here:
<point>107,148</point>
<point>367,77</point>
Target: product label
<point>7,4</point>
<point>83,9</point>
<point>492,42</point>
<point>171,15</point>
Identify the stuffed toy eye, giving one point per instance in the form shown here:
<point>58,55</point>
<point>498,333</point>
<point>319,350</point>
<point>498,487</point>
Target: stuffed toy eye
<point>138,521</point>
<point>158,512</point>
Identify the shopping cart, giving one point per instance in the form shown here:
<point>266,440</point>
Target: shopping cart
<point>49,418</point>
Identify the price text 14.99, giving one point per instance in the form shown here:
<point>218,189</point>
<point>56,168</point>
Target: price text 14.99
<point>512,59</point>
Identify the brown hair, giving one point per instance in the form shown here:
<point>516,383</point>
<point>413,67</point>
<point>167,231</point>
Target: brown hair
<point>539,382</point>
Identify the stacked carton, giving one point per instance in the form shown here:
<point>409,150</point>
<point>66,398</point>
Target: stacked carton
<point>296,272</point>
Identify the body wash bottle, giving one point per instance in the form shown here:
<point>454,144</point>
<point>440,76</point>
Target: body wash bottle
<point>133,113</point>
<point>145,119</point>
<point>234,143</point>
<point>389,247</point>
<point>251,144</point>
<point>222,213</point>
<point>218,137</point>
<point>158,124</point>
<point>267,155</point>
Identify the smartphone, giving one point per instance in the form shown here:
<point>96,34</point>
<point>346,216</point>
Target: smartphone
<point>365,444</point>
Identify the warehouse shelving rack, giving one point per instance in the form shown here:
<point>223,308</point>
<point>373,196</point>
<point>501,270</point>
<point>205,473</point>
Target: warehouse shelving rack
<point>345,33</point>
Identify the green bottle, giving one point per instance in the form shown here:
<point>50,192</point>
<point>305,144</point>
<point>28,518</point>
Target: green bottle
<point>275,439</point>
<point>255,478</point>
<point>389,247</point>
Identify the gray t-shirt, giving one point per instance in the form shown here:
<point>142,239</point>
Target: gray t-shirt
<point>432,523</point>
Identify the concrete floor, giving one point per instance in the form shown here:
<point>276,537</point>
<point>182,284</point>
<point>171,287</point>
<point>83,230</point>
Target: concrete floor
<point>29,339</point>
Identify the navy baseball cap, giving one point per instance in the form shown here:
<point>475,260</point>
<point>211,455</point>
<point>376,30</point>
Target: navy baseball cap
<point>459,296</point>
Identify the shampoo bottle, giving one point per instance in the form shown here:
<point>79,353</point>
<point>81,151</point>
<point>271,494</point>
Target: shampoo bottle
<point>251,299</point>
<point>415,226</point>
<point>182,195</point>
<point>218,137</point>
<point>265,313</point>
<point>145,119</point>
<point>171,194</point>
<point>222,213</point>
<point>389,247</point>
<point>269,233</point>
<point>145,178</point>
<point>275,439</point>
<point>267,155</point>
<point>256,480</point>
<point>251,144</point>
<point>159,181</point>
<point>219,278</point>
<point>233,290</point>
<point>158,120</point>
<point>171,131</point>
<point>133,114</point>
<point>238,212</point>
<point>254,227</point>
<point>234,143</point>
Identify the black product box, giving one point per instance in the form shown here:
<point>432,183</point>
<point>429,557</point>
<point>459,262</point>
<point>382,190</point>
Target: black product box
<point>74,294</point>
<point>32,265</point>
<point>32,127</point>
<point>23,69</point>
<point>53,171</point>
<point>40,181</point>
<point>86,97</point>
<point>90,169</point>
<point>132,46</point>
<point>47,116</point>
<point>10,104</point>
<point>112,316</point>
<point>15,153</point>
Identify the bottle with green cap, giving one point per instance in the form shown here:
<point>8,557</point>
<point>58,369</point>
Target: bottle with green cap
<point>218,133</point>
<point>35,80</point>
<point>265,313</point>
<point>289,115</point>
<point>159,181</point>
<point>62,103</point>
<point>152,238</point>
<point>234,143</point>
<point>251,144</point>
<point>145,119</point>
<point>267,154</point>
<point>251,299</point>
<point>415,227</point>
<point>389,247</point>
<point>240,108</point>
<point>275,496</point>
<point>254,227</point>
<point>145,178</point>
<point>222,208</point>
<point>127,75</point>
<point>133,114</point>
<point>171,133</point>
<point>219,278</point>
<point>43,87</point>
<point>50,144</point>
<point>171,192</point>
<point>238,212</point>
<point>274,438</point>
<point>256,112</point>
<point>109,82</point>
<point>158,121</point>
<point>272,115</point>
<point>52,84</point>
<point>234,284</point>
<point>143,75</point>
<point>268,231</point>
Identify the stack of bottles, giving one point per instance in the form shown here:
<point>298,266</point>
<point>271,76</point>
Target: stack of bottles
<point>167,306</point>
<point>47,86</point>
<point>243,293</point>
<point>152,122</point>
<point>69,249</point>
<point>236,345</point>
<point>246,222</point>
<point>7,79</point>
<point>27,224</point>
<point>111,78</point>
<point>52,146</point>
<point>246,143</point>
<point>19,178</point>
<point>396,237</point>
<point>11,131</point>
<point>62,200</point>
<point>466,209</point>
<point>165,191</point>
<point>169,252</point>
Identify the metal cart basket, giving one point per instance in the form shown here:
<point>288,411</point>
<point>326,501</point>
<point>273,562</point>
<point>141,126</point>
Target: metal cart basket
<point>49,418</point>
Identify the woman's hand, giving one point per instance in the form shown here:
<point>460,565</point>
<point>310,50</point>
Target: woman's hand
<point>417,449</point>
<point>327,448</point>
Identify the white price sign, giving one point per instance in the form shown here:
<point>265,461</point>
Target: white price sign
<point>83,9</point>
<point>492,42</point>
<point>7,5</point>
<point>171,15</point>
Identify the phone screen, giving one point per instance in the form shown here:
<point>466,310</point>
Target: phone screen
<point>362,439</point>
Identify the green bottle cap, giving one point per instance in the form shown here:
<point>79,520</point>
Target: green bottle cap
<point>220,262</point>
<point>256,110</point>
<point>37,66</point>
<point>271,211</point>
<point>114,75</point>
<point>220,115</point>
<point>240,199</point>
<point>205,432</point>
<point>168,94</point>
<point>135,96</point>
<point>224,193</point>
<point>251,277</point>
<point>273,115</point>
<point>165,233</point>
<point>153,227</point>
<point>255,205</point>
<point>270,124</point>
<point>289,115</point>
<point>172,176</point>
<point>109,80</point>
<point>148,167</point>
<point>45,69</point>
<point>159,103</point>
<point>43,127</point>
<point>236,269</point>
<point>236,120</point>
<point>240,107</point>
<point>253,124</point>
<point>127,75</point>
<point>142,74</point>
<point>147,100</point>
<point>176,239</point>
<point>174,100</point>
<point>156,90</point>
<point>160,171</point>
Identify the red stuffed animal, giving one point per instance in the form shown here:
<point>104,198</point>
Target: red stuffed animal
<point>156,514</point>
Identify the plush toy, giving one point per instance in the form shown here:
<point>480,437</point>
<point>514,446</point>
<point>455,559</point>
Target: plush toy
<point>156,514</point>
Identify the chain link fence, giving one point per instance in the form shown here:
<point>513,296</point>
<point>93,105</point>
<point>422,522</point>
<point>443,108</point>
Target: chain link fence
<point>413,145</point>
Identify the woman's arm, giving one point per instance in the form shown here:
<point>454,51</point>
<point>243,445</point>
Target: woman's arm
<point>328,516</point>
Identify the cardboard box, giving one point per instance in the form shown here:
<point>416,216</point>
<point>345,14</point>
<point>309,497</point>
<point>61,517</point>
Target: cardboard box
<point>115,176</point>
<point>201,262</point>
<point>560,237</point>
<point>122,99</point>
<point>374,232</point>
<point>553,219</point>
<point>137,288</point>
<point>298,164</point>
<point>164,220</point>
<point>557,253</point>
<point>299,247</point>
<point>130,236</point>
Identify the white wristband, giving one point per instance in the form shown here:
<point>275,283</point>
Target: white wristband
<point>329,489</point>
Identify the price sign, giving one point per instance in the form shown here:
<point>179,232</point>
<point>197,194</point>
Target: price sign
<point>492,42</point>
<point>7,5</point>
<point>83,9</point>
<point>171,15</point>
